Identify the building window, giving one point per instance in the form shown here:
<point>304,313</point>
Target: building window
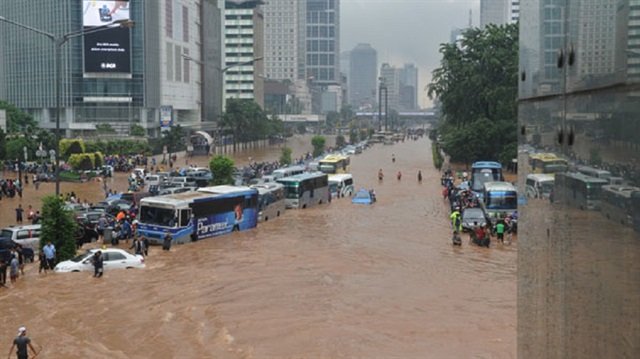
<point>185,24</point>
<point>178,54</point>
<point>168,9</point>
<point>169,55</point>
<point>187,66</point>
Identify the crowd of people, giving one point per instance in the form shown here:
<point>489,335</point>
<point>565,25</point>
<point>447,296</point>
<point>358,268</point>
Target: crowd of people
<point>460,197</point>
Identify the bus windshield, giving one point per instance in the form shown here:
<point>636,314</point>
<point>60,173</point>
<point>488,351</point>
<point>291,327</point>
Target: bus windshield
<point>501,200</point>
<point>481,176</point>
<point>158,216</point>
<point>292,191</point>
<point>593,191</point>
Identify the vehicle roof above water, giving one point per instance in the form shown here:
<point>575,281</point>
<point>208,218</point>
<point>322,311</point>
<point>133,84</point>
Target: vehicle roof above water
<point>268,186</point>
<point>19,228</point>
<point>541,177</point>
<point>302,176</point>
<point>340,177</point>
<point>223,189</point>
<point>289,169</point>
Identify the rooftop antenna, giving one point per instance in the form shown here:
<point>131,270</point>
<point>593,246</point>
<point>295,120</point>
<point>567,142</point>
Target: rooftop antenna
<point>470,18</point>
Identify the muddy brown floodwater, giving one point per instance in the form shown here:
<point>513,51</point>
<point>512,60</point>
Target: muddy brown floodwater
<point>333,281</point>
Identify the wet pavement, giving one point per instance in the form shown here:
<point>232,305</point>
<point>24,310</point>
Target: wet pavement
<point>333,281</point>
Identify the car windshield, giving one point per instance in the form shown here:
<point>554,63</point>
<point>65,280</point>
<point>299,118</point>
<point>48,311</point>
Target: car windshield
<point>362,194</point>
<point>6,233</point>
<point>81,257</point>
<point>472,215</point>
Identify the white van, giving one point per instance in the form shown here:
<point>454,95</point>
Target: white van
<point>539,185</point>
<point>341,185</point>
<point>28,235</point>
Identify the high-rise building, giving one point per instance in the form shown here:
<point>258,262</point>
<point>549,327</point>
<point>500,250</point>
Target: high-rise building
<point>499,12</point>
<point>408,92</point>
<point>323,41</point>
<point>363,77</point>
<point>148,73</point>
<point>244,50</point>
<point>390,77</point>
<point>283,28</point>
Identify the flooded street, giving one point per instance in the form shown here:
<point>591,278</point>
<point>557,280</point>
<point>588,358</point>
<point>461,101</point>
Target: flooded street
<point>333,281</point>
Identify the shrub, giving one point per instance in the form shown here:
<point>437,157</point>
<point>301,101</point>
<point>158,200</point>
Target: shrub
<point>71,146</point>
<point>98,159</point>
<point>222,170</point>
<point>285,156</point>
<point>82,161</point>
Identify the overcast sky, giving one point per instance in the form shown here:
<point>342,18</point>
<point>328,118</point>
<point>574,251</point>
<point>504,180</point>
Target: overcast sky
<point>404,31</point>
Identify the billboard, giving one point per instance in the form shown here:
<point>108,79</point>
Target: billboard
<point>166,117</point>
<point>107,50</point>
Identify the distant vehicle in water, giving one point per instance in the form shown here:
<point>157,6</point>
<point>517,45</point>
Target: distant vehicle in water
<point>482,172</point>
<point>334,163</point>
<point>618,203</point>
<point>500,199</point>
<point>341,185</point>
<point>578,190</point>
<point>271,201</point>
<point>547,163</point>
<point>306,190</point>
<point>363,196</point>
<point>216,210</point>
<point>539,185</point>
<point>287,171</point>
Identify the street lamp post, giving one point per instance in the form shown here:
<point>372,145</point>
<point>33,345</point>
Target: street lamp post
<point>58,41</point>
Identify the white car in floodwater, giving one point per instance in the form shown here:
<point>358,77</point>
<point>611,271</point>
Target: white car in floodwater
<point>113,258</point>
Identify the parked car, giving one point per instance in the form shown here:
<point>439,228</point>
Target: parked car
<point>114,258</point>
<point>28,236</point>
<point>184,181</point>
<point>92,217</point>
<point>471,216</point>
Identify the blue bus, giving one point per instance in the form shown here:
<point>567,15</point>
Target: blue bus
<point>482,172</point>
<point>216,210</point>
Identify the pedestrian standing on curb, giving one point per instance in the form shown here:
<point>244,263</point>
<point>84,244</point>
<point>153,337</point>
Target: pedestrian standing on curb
<point>22,342</point>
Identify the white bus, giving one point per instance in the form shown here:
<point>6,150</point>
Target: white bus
<point>271,201</point>
<point>306,190</point>
<point>341,185</point>
<point>287,171</point>
<point>539,185</point>
<point>500,199</point>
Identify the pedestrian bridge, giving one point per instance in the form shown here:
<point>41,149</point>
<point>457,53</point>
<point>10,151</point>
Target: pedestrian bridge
<point>416,115</point>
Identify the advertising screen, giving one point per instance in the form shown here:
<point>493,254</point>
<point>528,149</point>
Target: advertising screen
<point>106,50</point>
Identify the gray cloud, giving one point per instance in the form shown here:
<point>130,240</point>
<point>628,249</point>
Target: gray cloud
<point>405,30</point>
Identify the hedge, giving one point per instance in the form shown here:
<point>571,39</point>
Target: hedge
<point>71,146</point>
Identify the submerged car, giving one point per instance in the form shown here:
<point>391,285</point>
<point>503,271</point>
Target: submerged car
<point>473,217</point>
<point>363,197</point>
<point>113,258</point>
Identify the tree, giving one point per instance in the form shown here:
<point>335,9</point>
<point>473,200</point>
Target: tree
<point>346,113</point>
<point>14,148</point>
<point>58,227</point>
<point>246,121</point>
<point>17,120</point>
<point>137,130</point>
<point>340,141</point>
<point>71,146</point>
<point>353,135</point>
<point>222,168</point>
<point>333,119</point>
<point>285,156</point>
<point>301,128</point>
<point>174,139</point>
<point>318,143</point>
<point>476,87</point>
